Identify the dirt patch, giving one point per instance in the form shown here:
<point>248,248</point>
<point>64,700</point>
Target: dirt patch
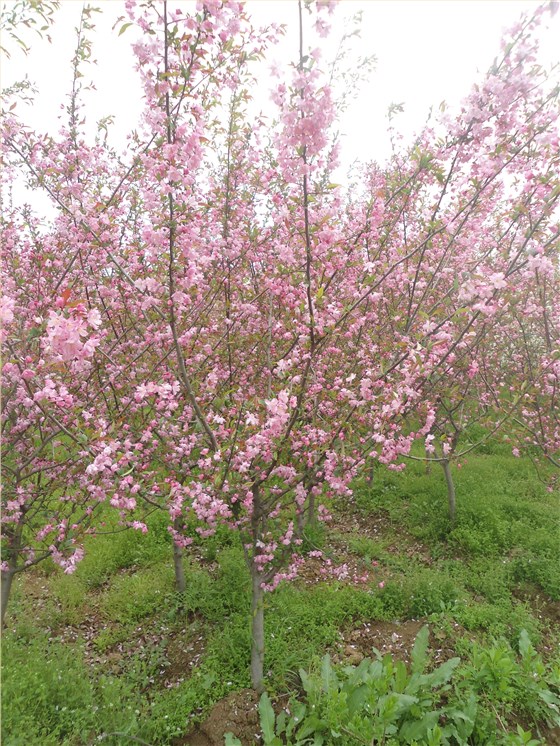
<point>377,526</point>
<point>327,569</point>
<point>183,653</point>
<point>394,638</point>
<point>551,736</point>
<point>340,563</point>
<point>413,549</point>
<point>387,637</point>
<point>353,520</point>
<point>543,607</point>
<point>237,714</point>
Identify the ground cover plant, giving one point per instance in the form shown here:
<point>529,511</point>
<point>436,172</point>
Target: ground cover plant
<point>108,651</point>
<point>224,372</point>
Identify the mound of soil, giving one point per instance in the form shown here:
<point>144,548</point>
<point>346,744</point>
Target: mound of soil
<point>237,714</point>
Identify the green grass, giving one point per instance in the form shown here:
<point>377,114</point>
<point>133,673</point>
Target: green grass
<point>505,516</point>
<point>113,549</point>
<point>495,573</point>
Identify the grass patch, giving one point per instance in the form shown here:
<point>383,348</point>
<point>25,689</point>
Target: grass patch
<point>107,553</point>
<point>132,597</point>
<point>479,582</point>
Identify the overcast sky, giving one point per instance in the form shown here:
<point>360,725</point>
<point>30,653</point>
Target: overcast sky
<point>427,51</point>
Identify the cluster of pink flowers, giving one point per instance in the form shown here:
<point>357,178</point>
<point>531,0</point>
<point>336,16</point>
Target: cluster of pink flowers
<point>69,337</point>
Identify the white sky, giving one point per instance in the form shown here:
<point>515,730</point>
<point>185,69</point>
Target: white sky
<point>427,51</point>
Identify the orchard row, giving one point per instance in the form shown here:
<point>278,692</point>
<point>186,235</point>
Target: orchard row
<point>209,326</point>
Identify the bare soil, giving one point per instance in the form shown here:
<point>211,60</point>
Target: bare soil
<point>183,653</point>
<point>237,714</point>
<point>395,638</point>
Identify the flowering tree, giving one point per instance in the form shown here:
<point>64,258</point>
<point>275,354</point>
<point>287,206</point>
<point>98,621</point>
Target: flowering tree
<point>48,361</point>
<point>532,361</point>
<point>261,330</point>
<point>58,406</point>
<point>473,214</point>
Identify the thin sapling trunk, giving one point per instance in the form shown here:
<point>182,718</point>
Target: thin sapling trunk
<point>180,582</point>
<point>370,472</point>
<point>450,489</point>
<point>257,632</point>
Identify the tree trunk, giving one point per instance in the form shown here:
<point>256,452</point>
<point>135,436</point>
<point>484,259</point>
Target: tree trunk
<point>370,472</point>
<point>7,580</point>
<point>257,633</point>
<point>450,489</point>
<point>428,463</point>
<point>300,522</point>
<point>311,516</point>
<point>180,582</point>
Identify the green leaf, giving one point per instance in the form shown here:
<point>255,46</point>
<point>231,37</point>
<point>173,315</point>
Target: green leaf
<point>356,699</point>
<point>328,676</point>
<point>442,674</point>
<point>462,721</point>
<point>412,730</point>
<point>400,676</point>
<point>419,654</point>
<point>34,333</point>
<point>124,27</point>
<point>281,722</point>
<point>267,718</point>
<point>306,682</point>
<point>525,646</point>
<point>298,715</point>
<point>309,727</point>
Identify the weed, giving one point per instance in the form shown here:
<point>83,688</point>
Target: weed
<point>70,595</point>
<point>132,597</point>
<point>382,701</point>
<point>46,693</point>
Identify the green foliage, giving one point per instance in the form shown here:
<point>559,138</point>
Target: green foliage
<point>383,701</point>
<point>300,623</point>
<point>497,619</point>
<point>505,519</point>
<point>314,536</point>
<point>48,698</point>
<point>420,593</point>
<point>217,598</point>
<point>368,549</point>
<point>514,684</point>
<point>469,582</point>
<point>171,710</point>
<point>70,595</point>
<point>378,701</point>
<point>35,15</point>
<point>46,694</point>
<point>543,571</point>
<point>110,636</point>
<point>107,553</point>
<point>221,539</point>
<point>132,597</point>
